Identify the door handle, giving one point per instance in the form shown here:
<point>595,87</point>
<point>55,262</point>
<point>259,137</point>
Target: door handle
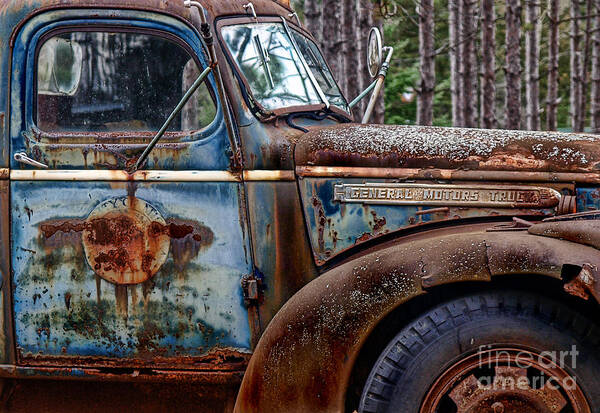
<point>23,158</point>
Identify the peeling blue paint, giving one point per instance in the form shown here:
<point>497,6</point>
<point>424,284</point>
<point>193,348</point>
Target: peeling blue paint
<point>184,312</point>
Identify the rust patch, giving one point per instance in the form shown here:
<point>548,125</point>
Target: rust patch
<point>218,358</point>
<point>363,238</point>
<point>126,241</point>
<point>321,221</point>
<point>65,227</point>
<point>585,283</point>
<point>378,222</point>
<point>119,243</point>
<point>188,238</point>
<point>68,297</point>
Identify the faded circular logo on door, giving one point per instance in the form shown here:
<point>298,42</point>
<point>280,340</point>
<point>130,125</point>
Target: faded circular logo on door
<point>125,240</point>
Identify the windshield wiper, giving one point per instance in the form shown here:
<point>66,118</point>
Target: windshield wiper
<point>311,76</point>
<point>264,60</point>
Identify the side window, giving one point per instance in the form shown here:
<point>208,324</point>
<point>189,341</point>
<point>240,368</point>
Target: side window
<point>117,81</point>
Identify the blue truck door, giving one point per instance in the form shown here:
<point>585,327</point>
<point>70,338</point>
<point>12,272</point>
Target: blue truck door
<point>111,268</point>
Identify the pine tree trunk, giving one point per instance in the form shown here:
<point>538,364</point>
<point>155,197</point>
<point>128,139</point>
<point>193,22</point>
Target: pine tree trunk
<point>313,15</point>
<point>488,64</point>
<point>351,51</point>
<point>595,93</point>
<point>552,95</point>
<point>427,63</point>
<point>532,66</point>
<point>365,22</point>
<point>332,36</point>
<point>575,63</point>
<point>469,72</point>
<point>585,63</point>
<point>513,64</point>
<point>455,74</point>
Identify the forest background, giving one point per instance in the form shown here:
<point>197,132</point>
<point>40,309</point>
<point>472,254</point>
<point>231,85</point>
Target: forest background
<point>513,64</point>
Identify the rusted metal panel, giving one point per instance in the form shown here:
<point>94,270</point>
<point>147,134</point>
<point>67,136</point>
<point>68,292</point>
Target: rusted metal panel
<point>307,353</point>
<point>236,7</point>
<point>335,227</point>
<point>129,274</point>
<point>586,283</point>
<point>3,134</point>
<point>282,252</point>
<point>385,146</point>
<point>6,328</point>
<point>268,147</point>
<point>208,378</point>
<point>215,8</point>
<point>583,229</point>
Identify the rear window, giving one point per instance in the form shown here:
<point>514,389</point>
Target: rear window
<point>111,81</point>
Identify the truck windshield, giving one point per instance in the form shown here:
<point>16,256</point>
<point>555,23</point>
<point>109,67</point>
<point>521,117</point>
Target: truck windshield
<point>275,73</point>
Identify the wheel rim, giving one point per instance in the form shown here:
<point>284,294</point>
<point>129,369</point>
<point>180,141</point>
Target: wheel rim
<point>509,386</point>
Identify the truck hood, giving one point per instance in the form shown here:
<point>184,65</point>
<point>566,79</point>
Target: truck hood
<point>387,146</point>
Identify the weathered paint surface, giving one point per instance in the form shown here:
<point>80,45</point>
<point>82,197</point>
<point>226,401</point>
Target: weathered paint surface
<point>335,227</point>
<point>588,199</point>
<point>282,251</point>
<point>387,146</point>
<point>190,305</point>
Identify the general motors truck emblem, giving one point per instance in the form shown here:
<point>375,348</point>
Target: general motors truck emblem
<point>499,196</point>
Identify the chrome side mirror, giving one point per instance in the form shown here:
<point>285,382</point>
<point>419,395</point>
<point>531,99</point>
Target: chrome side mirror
<point>374,52</point>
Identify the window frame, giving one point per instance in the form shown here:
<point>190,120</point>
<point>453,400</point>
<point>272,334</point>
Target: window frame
<point>260,111</point>
<point>116,137</point>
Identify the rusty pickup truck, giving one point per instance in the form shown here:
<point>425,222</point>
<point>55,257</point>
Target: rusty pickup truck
<point>185,197</point>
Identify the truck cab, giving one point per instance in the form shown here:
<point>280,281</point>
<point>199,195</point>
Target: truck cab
<point>185,196</point>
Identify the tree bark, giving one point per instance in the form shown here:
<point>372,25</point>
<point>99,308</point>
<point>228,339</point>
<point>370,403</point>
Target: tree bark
<point>469,72</point>
<point>575,63</point>
<point>552,95</point>
<point>455,73</point>
<point>513,64</point>
<point>532,66</point>
<point>427,63</point>
<point>595,93</point>
<point>488,64</point>
<point>586,63</point>
<point>365,22</point>
<point>352,57</point>
<point>313,16</point>
<point>332,36</point>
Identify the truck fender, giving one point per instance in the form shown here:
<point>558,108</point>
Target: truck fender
<point>305,357</point>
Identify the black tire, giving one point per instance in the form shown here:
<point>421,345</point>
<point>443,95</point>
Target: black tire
<point>417,356</point>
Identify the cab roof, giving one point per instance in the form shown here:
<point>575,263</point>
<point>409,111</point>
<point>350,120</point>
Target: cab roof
<point>215,8</point>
